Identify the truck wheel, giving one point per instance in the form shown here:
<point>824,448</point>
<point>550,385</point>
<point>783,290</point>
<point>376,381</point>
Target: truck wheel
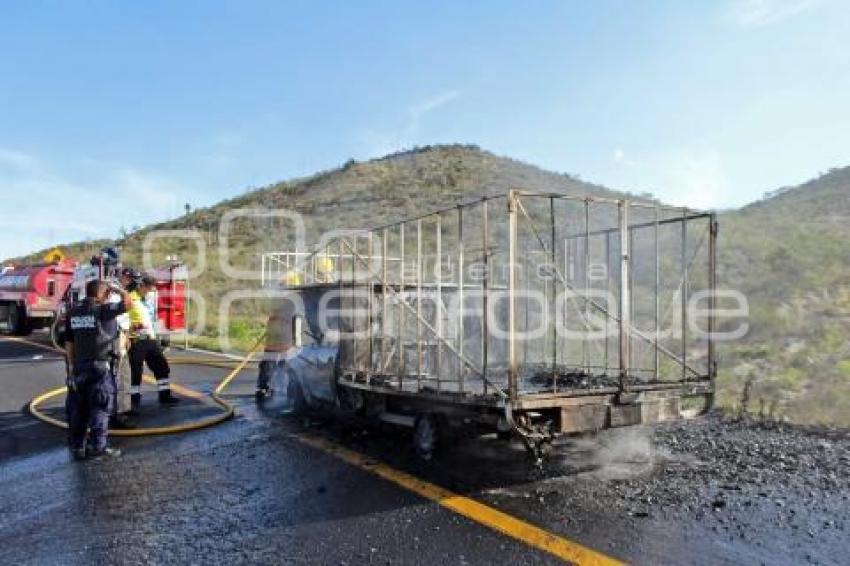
<point>8,317</point>
<point>26,326</point>
<point>425,436</point>
<point>17,321</point>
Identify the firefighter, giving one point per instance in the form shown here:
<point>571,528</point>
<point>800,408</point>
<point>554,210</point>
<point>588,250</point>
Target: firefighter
<point>130,278</point>
<point>145,348</point>
<point>279,348</point>
<point>324,269</point>
<point>123,409</point>
<point>121,370</point>
<point>90,341</point>
<point>292,278</point>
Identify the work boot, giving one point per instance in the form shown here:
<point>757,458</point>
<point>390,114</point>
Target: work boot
<point>107,452</point>
<point>79,454</point>
<point>166,398</point>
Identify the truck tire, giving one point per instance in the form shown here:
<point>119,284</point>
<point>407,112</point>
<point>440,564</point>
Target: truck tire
<point>426,436</point>
<point>17,321</point>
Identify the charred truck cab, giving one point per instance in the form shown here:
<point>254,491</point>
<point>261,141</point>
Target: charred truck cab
<point>530,314</point>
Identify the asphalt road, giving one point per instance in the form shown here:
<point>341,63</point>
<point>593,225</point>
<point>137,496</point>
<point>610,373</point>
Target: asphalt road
<point>250,490</point>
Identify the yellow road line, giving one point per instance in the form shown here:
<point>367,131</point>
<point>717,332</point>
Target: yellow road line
<point>480,513</point>
<point>500,521</point>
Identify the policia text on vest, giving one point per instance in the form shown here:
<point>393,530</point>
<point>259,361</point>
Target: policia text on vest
<point>91,334</point>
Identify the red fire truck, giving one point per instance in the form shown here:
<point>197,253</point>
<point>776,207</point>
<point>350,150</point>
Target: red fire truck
<point>36,295</point>
<point>170,300</point>
<point>169,297</point>
<point>30,294</point>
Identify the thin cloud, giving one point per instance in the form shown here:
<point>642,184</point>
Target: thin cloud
<point>65,209</point>
<point>10,158</point>
<point>381,143</point>
<point>759,13</point>
<point>621,159</point>
<point>686,176</point>
<point>434,102</point>
<point>694,178</point>
<point>420,110</point>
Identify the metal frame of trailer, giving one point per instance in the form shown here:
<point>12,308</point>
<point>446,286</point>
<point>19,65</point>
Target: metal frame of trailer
<point>537,313</point>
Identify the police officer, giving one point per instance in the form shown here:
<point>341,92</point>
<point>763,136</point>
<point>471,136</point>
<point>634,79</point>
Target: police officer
<point>145,348</point>
<point>90,341</point>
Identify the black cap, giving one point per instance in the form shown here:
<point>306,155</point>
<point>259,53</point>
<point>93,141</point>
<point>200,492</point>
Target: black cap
<point>131,273</point>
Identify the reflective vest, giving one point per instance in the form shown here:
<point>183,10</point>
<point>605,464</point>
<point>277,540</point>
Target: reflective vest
<point>142,316</point>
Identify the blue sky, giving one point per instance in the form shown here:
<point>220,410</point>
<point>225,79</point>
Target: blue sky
<point>117,113</point>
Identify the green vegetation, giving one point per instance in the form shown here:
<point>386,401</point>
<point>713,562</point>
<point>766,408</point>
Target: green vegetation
<point>787,253</point>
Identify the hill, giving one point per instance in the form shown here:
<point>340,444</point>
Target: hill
<point>355,195</point>
<point>787,253</point>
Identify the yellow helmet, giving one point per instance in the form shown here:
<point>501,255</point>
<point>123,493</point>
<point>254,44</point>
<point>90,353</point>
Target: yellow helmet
<point>324,264</point>
<point>291,278</point>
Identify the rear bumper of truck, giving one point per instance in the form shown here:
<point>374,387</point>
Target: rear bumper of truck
<point>562,412</point>
<point>596,410</point>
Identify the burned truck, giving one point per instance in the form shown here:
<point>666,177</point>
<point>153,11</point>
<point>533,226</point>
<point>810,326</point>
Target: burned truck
<point>530,314</point>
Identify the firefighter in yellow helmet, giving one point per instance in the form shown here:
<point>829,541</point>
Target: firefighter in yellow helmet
<point>145,348</point>
<point>292,278</point>
<point>324,268</point>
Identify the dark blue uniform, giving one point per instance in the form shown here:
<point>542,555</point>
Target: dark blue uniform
<point>91,388</point>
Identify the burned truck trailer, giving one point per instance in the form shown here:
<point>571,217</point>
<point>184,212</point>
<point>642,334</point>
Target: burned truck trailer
<point>529,313</point>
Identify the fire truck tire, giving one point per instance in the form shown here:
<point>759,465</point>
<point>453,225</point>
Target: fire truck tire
<point>17,321</point>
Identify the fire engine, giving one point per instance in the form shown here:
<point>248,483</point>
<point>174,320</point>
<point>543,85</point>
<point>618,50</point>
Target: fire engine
<point>36,295</point>
<point>169,296</point>
<point>30,294</point>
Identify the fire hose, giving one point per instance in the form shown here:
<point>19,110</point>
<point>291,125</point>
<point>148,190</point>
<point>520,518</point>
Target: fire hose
<point>228,410</point>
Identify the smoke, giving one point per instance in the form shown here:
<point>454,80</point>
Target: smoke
<point>614,454</point>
